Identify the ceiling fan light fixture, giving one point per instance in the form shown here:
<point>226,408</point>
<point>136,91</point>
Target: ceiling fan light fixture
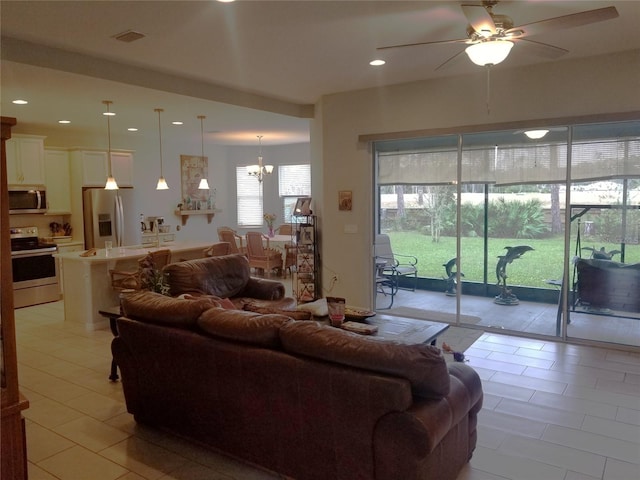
<point>490,52</point>
<point>536,134</point>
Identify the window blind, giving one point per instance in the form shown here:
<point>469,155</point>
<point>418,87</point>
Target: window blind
<point>249,199</point>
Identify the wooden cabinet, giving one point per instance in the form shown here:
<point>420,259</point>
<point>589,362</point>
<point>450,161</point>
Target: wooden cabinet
<point>58,182</point>
<point>25,160</point>
<point>94,167</point>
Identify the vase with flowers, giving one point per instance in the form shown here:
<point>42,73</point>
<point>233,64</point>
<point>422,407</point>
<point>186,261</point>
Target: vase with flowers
<point>270,218</point>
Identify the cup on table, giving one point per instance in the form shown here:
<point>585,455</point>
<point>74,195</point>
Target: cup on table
<point>335,305</point>
<point>108,246</point>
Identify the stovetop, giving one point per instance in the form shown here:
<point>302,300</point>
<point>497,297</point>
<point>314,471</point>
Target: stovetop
<point>26,238</point>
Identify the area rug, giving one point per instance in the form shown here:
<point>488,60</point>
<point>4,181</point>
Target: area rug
<point>432,315</point>
<point>459,339</point>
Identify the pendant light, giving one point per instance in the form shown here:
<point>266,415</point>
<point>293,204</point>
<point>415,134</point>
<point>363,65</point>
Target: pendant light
<point>259,170</point>
<point>204,184</point>
<point>111,182</point>
<point>162,183</point>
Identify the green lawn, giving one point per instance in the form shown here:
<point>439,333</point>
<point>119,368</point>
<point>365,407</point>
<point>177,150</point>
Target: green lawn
<point>532,269</point>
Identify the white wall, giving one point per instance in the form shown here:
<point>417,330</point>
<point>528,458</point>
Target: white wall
<point>597,85</point>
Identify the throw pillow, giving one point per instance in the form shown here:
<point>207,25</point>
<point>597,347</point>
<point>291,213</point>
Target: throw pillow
<point>318,308</point>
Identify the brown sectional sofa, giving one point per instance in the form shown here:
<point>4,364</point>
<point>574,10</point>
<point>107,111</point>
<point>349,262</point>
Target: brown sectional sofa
<point>300,398</point>
<point>226,276</point>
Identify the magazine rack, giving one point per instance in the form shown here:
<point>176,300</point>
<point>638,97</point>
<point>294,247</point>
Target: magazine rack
<point>306,282</point>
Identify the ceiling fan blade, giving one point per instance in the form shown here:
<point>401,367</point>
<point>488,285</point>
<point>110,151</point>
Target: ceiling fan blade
<point>541,49</point>
<point>479,19</point>
<point>450,61</point>
<point>460,40</point>
<point>566,21</point>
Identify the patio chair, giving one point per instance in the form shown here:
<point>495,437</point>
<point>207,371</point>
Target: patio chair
<point>140,279</point>
<point>261,257</point>
<point>392,265</point>
<point>226,234</point>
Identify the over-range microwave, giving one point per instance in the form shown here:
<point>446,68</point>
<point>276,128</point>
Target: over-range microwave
<point>27,200</point>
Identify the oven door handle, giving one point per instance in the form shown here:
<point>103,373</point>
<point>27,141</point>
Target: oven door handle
<point>31,253</point>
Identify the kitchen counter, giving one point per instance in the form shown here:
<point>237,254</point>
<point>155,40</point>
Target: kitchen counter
<point>90,283</point>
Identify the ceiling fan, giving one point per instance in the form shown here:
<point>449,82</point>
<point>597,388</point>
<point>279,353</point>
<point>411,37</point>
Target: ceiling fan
<point>490,36</point>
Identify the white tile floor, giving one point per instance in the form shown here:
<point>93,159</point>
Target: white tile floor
<point>552,411</point>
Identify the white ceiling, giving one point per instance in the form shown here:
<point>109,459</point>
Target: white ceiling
<point>216,59</point>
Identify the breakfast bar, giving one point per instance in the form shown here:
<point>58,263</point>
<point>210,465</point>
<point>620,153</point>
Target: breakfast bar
<point>87,283</point>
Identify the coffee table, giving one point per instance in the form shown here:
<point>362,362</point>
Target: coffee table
<point>405,330</point>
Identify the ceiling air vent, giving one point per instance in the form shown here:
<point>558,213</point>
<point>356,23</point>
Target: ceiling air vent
<point>129,36</point>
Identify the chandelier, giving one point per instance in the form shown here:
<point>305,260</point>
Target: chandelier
<point>259,170</point>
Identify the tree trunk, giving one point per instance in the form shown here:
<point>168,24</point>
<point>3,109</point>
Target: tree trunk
<point>556,221</point>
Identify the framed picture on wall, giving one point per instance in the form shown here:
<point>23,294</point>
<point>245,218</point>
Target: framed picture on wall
<point>345,199</point>
<point>192,170</point>
<point>303,207</point>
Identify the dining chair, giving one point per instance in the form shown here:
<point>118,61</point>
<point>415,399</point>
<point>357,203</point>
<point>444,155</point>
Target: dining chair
<point>262,257</point>
<point>226,234</point>
<point>285,229</point>
<point>218,249</point>
<point>148,267</point>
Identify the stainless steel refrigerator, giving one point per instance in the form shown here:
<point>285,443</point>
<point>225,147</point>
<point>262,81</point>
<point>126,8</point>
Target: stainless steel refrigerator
<point>110,215</point>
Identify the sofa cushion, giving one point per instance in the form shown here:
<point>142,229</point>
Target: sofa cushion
<point>224,276</point>
<point>422,365</point>
<point>242,326</point>
<point>153,307</point>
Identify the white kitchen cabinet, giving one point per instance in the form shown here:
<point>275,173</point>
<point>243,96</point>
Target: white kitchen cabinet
<point>25,160</point>
<point>122,168</point>
<point>57,181</point>
<point>93,164</point>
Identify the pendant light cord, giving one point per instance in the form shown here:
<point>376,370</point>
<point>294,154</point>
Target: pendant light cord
<point>202,117</point>
<point>159,110</point>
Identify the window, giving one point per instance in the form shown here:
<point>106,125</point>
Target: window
<point>249,193</point>
<point>293,181</point>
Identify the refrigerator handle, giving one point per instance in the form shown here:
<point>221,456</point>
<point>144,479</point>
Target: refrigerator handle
<point>119,221</point>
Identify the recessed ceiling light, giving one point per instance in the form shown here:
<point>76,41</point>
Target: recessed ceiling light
<point>226,1</point>
<point>177,123</point>
<point>20,102</point>
<point>64,121</point>
<point>377,63</point>
<point>132,129</point>
<point>109,114</point>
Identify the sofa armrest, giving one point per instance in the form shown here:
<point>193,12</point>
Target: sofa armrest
<point>263,289</point>
<point>404,440</point>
